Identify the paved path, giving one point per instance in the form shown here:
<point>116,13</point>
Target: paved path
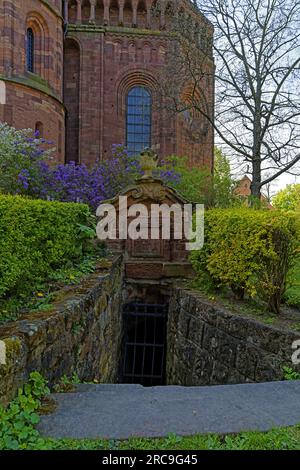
<point>121,411</point>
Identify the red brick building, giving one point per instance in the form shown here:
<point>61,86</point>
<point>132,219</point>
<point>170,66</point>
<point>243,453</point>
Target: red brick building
<point>85,74</point>
<point>243,189</point>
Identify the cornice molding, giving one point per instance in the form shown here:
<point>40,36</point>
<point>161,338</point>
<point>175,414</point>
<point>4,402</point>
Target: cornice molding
<point>35,84</point>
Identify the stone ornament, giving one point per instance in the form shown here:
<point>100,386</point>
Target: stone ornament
<point>148,163</point>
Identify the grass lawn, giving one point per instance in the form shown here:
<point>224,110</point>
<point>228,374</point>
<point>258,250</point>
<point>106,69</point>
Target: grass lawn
<point>278,439</point>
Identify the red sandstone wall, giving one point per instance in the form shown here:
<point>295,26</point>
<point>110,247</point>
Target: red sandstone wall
<point>71,98</point>
<point>26,107</point>
<point>130,61</point>
<point>110,64</point>
<point>197,140</point>
<point>16,16</point>
<point>56,4</point>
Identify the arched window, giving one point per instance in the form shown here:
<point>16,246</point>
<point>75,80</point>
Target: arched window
<point>30,50</point>
<point>139,103</point>
<point>39,130</point>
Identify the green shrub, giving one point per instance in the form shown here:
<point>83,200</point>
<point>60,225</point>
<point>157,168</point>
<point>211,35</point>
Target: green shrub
<point>223,183</point>
<point>198,185</point>
<point>249,251</point>
<point>292,295</point>
<point>36,238</point>
<point>288,198</point>
<point>195,185</point>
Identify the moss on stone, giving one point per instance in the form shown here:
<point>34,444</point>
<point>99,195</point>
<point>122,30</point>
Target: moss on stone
<point>104,264</point>
<point>119,29</point>
<point>35,82</point>
<point>13,346</point>
<point>12,349</point>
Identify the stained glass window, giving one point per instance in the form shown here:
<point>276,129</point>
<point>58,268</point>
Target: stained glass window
<point>139,103</point>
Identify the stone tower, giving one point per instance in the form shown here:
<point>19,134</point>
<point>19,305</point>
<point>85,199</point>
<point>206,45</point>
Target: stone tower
<point>31,68</point>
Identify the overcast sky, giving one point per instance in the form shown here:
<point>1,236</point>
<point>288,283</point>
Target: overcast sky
<point>283,180</point>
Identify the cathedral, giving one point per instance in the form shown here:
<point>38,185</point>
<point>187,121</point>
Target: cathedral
<point>85,75</point>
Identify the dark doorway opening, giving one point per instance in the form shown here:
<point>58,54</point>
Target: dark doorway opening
<point>144,343</point>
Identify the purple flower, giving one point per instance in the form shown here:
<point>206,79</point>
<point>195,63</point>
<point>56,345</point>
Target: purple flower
<point>79,183</point>
<point>23,178</point>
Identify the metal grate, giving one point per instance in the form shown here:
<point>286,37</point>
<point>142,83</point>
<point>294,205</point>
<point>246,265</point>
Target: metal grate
<point>144,343</point>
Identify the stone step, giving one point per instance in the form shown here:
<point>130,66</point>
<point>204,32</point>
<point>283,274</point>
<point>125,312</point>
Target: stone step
<point>123,411</point>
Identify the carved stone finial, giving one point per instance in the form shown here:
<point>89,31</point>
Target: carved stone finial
<point>148,162</point>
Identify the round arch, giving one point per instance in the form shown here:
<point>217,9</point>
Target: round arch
<point>38,25</point>
<point>137,78</point>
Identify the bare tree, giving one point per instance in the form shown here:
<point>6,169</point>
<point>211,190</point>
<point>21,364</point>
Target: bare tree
<point>257,111</point>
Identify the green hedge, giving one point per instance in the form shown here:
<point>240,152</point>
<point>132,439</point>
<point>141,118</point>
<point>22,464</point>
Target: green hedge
<point>249,251</point>
<point>37,237</point>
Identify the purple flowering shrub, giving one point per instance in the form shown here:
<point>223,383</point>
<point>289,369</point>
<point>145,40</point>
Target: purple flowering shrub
<point>26,169</point>
<point>79,183</point>
<point>106,179</point>
<point>21,153</point>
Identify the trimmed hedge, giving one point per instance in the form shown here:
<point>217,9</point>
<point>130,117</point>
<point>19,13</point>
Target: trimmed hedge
<point>37,237</point>
<point>249,251</point>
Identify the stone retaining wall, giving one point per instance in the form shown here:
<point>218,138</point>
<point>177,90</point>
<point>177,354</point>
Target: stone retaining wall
<point>82,333</point>
<point>209,345</point>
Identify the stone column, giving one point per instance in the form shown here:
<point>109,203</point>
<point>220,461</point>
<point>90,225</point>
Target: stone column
<point>162,15</point>
<point>66,11</point>
<point>148,6</point>
<point>134,12</point>
<point>121,12</point>
<point>79,17</point>
<point>93,11</point>
<point>106,12</point>
<point>175,19</point>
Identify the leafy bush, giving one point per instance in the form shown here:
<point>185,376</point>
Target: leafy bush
<point>198,185</point>
<point>292,295</point>
<point>288,198</point>
<point>249,251</point>
<point>17,421</point>
<point>195,185</point>
<point>104,180</point>
<point>36,238</point>
<point>223,184</point>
